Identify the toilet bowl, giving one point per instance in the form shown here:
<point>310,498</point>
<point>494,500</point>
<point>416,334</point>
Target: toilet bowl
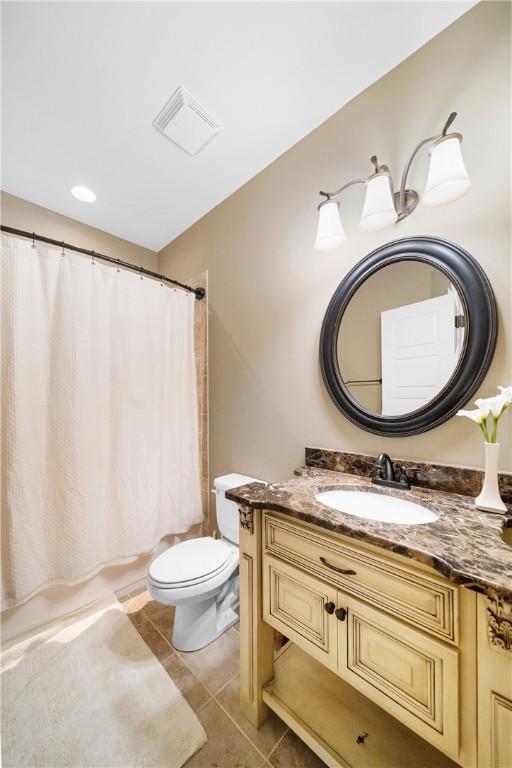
<point>200,576</point>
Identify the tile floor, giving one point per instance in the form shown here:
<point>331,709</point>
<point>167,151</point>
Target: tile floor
<point>209,681</point>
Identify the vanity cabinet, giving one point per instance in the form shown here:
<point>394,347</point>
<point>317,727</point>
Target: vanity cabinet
<point>409,673</point>
<point>381,669</point>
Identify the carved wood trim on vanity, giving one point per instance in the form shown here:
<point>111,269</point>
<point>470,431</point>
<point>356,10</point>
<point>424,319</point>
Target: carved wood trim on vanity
<point>499,625</point>
<point>247,677</point>
<point>246,518</point>
<point>501,720</point>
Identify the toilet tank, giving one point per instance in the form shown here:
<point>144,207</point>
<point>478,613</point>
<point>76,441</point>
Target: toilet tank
<point>227,511</point>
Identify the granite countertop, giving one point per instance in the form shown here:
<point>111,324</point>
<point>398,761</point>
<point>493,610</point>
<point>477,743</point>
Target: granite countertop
<point>464,545</point>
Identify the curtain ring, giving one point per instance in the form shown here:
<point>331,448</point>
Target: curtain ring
<point>33,240</point>
<point>63,251</point>
<point>141,271</point>
<point>118,261</point>
<point>92,258</point>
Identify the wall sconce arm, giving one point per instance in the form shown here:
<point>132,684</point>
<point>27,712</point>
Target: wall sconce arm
<point>403,184</point>
<point>337,192</point>
<point>450,120</point>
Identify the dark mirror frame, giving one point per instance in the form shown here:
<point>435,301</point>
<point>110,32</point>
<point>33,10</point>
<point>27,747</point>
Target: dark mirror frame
<point>481,328</point>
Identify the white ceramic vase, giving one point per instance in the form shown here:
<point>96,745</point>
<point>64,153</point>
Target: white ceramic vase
<point>489,499</point>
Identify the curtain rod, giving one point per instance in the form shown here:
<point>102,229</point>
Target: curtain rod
<point>199,292</point>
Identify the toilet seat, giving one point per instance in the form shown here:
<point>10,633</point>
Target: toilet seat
<point>190,562</point>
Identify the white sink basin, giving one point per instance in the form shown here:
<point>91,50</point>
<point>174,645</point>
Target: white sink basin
<point>377,506</point>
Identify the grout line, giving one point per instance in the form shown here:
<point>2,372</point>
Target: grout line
<point>167,640</point>
<point>210,693</point>
<point>277,743</point>
<point>173,649</point>
<point>139,590</point>
<point>213,694</point>
<point>182,659</point>
<point>174,652</point>
<point>165,658</point>
<point>208,700</point>
<point>258,750</point>
<point>227,683</point>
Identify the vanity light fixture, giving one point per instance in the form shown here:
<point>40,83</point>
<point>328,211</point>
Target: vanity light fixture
<point>447,176</point>
<point>330,230</point>
<point>447,181</point>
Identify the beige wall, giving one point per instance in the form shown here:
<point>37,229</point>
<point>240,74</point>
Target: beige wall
<point>268,288</point>
<point>20,214</point>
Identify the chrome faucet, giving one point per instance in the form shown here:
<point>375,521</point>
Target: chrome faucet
<point>386,475</point>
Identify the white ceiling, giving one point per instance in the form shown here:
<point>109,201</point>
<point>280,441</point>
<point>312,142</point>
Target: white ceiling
<point>83,81</point>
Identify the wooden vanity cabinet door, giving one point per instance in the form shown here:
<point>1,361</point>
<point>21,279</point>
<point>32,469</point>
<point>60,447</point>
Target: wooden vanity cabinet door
<point>302,608</point>
<point>412,676</point>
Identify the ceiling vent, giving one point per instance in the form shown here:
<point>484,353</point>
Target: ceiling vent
<point>186,123</point>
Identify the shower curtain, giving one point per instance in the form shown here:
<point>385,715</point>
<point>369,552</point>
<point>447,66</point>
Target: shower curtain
<point>99,417</point>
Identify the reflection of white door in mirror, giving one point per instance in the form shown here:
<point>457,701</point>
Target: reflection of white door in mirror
<point>420,347</point>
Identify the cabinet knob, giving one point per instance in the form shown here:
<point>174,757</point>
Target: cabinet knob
<point>341,614</point>
<point>329,607</point>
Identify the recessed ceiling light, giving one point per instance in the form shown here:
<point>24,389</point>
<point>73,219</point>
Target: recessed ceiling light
<point>83,194</point>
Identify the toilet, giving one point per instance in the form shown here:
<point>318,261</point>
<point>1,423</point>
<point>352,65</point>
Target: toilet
<point>200,576</point>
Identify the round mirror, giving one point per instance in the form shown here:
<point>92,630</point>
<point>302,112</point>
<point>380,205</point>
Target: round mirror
<point>401,338</point>
<point>408,336</point>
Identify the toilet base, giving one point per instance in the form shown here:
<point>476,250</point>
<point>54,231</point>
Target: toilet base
<point>200,623</point>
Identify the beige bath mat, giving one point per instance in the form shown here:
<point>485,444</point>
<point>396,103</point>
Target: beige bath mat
<point>89,693</point>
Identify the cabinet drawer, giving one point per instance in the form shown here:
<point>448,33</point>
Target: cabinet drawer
<point>410,675</point>
<point>294,603</point>
<point>407,593</point>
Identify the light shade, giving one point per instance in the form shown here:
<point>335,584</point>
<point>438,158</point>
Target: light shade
<point>330,232</point>
<point>447,176</point>
<point>379,208</point>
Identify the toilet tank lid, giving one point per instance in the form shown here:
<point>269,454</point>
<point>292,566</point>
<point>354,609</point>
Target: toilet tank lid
<point>226,482</point>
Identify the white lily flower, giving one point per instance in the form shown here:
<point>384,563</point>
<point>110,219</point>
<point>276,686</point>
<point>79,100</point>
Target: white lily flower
<point>486,406</point>
<point>478,415</point>
<point>506,392</point>
<point>483,404</point>
<point>497,405</point>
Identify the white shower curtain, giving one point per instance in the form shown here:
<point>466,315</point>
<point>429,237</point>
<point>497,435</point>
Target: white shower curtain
<point>99,417</point>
